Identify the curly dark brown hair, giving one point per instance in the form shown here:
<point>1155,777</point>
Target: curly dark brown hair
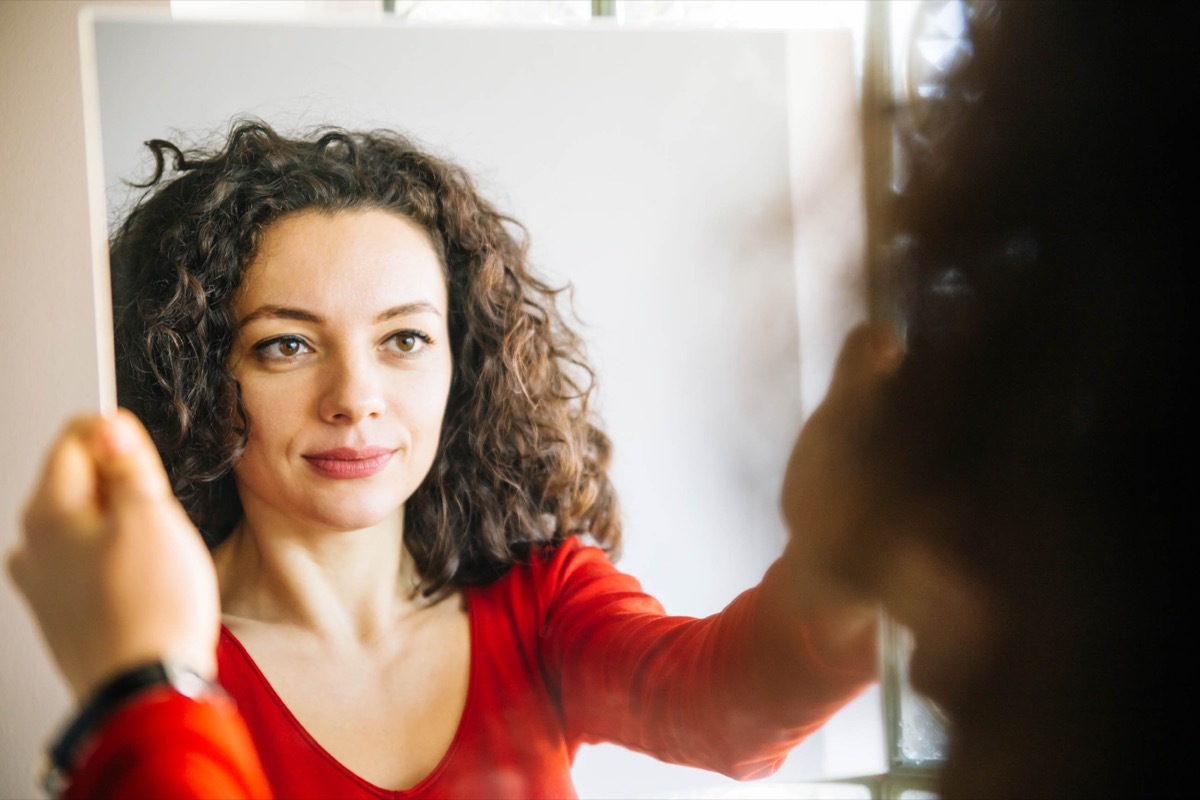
<point>521,460</point>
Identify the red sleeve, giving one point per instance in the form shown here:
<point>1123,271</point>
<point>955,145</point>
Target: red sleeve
<point>733,693</point>
<point>165,745</point>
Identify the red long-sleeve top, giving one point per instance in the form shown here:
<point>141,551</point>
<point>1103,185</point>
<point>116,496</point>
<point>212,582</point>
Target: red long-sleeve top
<point>564,650</point>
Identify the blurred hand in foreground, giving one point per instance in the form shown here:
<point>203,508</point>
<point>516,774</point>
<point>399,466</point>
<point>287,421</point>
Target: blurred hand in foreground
<point>109,563</point>
<point>827,492</point>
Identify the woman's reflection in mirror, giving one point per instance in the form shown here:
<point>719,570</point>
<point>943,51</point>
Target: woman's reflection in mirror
<point>378,418</point>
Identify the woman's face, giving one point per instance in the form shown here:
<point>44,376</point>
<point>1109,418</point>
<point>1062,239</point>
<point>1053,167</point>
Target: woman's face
<point>343,356</point>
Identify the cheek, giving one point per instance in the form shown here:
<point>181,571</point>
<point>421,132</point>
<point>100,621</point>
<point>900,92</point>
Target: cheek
<point>272,410</point>
<point>426,413</point>
<point>426,402</point>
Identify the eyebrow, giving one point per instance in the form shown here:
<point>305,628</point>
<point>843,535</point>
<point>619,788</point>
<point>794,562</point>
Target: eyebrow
<point>271,311</point>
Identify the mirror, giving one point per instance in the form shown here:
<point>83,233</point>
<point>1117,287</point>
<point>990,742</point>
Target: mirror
<point>701,191</point>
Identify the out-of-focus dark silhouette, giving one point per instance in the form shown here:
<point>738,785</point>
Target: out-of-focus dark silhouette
<point>1032,451</point>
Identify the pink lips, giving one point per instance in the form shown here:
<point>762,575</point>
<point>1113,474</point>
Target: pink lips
<point>350,462</point>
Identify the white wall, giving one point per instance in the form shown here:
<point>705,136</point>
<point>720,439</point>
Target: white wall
<point>47,350</point>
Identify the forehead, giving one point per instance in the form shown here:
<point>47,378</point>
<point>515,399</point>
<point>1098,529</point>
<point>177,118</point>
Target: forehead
<point>345,259</point>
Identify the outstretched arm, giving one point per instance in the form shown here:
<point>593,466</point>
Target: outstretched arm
<point>736,691</point>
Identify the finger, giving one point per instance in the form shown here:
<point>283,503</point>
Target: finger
<point>870,353</point>
<point>128,462</point>
<point>17,564</point>
<point>68,484</point>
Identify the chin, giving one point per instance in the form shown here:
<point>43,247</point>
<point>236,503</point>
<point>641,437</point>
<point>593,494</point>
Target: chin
<point>354,516</point>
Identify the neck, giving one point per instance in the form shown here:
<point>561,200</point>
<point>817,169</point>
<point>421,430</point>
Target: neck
<point>334,583</point>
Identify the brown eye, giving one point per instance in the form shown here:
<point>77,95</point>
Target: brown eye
<point>409,343</point>
<point>282,348</point>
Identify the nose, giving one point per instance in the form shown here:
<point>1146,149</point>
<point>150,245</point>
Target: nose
<point>352,391</point>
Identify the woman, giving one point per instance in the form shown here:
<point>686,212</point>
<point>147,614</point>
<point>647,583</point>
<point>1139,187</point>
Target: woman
<point>374,414</point>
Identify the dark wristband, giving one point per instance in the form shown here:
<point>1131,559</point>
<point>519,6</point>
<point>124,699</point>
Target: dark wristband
<point>108,698</point>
